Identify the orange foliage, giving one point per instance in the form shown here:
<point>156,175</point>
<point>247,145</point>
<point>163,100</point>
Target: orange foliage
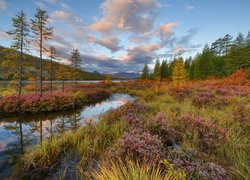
<point>237,78</point>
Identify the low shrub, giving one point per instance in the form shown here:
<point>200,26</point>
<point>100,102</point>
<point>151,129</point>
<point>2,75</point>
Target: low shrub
<point>189,162</point>
<point>209,136</point>
<point>158,125</point>
<point>203,99</point>
<point>49,102</point>
<point>141,146</point>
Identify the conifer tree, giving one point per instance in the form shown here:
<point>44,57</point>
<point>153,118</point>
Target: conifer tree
<point>179,74</point>
<point>239,41</point>
<point>43,32</point>
<point>20,33</point>
<point>164,69</point>
<point>53,55</point>
<point>248,39</point>
<point>157,70</point>
<point>145,72</point>
<point>75,61</point>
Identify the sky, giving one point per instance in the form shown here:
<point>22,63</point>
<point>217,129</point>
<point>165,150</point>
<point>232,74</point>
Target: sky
<point>124,35</point>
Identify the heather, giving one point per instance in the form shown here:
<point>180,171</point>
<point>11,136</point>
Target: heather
<point>195,131</point>
<point>49,102</point>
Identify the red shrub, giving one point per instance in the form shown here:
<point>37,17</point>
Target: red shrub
<point>141,146</point>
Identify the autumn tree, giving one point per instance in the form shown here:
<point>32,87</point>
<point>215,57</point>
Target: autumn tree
<point>179,74</point>
<point>145,72</point>
<point>75,62</point>
<point>53,55</point>
<point>42,31</point>
<point>62,73</point>
<point>20,35</point>
<point>157,70</point>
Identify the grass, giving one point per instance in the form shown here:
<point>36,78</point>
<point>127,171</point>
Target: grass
<point>96,143</point>
<point>131,170</point>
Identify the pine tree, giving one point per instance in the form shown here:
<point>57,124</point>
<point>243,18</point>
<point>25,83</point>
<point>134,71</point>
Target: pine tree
<point>53,55</point>
<point>239,41</point>
<point>145,72</point>
<point>164,70</point>
<point>75,64</point>
<point>179,74</point>
<point>157,70</point>
<point>42,31</point>
<point>248,39</point>
<point>20,33</point>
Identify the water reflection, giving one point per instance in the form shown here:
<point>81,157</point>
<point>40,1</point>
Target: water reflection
<point>19,133</point>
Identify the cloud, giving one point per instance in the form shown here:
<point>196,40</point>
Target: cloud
<point>165,30</point>
<point>3,5</point>
<point>141,54</point>
<point>135,16</point>
<point>189,7</point>
<point>110,42</point>
<point>4,35</point>
<point>61,15</point>
<point>51,1</point>
<point>182,45</point>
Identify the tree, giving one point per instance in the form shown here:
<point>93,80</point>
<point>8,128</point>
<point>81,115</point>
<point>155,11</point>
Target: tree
<point>227,43</point>
<point>53,55</point>
<point>206,62</point>
<point>179,74</point>
<point>75,61</point>
<point>239,41</point>
<point>164,69</point>
<point>20,34</point>
<point>42,31</point>
<point>62,74</point>
<point>145,72</point>
<point>157,70</point>
<point>248,39</point>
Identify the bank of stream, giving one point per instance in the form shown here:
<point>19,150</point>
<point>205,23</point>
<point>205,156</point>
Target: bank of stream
<point>19,133</point>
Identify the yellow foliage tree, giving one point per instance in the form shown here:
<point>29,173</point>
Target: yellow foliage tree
<point>179,74</point>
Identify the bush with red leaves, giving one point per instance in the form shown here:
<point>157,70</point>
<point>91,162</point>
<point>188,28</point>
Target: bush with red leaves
<point>140,146</point>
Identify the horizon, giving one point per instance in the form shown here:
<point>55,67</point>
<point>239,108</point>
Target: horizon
<point>122,36</point>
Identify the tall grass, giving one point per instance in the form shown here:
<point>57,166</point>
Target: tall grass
<point>134,170</point>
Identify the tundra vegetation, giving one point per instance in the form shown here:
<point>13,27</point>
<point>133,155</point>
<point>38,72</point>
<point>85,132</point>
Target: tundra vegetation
<point>190,119</point>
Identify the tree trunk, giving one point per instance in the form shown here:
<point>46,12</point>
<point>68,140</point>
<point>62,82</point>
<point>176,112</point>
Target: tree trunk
<point>63,84</point>
<point>51,75</point>
<point>41,63</point>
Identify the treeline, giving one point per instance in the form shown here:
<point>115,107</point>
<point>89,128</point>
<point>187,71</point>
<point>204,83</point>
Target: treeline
<point>225,56</point>
<point>27,34</point>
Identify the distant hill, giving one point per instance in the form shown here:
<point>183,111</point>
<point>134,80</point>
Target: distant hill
<point>9,67</point>
<point>126,75</point>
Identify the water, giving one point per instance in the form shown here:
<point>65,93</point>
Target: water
<point>19,133</point>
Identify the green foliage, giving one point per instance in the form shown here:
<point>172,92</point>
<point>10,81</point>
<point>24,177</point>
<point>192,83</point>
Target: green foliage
<point>145,72</point>
<point>9,68</point>
<point>157,70</point>
<point>164,70</point>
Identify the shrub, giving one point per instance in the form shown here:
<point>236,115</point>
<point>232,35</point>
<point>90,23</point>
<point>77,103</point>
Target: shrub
<point>158,126</point>
<point>203,99</point>
<point>56,101</point>
<point>141,146</point>
<point>190,163</point>
<point>208,134</point>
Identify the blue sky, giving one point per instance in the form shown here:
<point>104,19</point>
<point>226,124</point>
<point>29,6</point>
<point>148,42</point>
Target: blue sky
<point>123,35</point>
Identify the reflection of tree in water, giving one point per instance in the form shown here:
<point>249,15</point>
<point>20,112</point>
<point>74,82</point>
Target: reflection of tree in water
<point>23,139</point>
